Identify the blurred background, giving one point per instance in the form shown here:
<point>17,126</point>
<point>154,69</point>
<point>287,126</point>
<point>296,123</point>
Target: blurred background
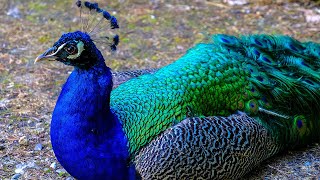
<point>152,34</point>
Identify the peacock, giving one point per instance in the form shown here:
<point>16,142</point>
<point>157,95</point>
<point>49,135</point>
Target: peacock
<point>215,113</point>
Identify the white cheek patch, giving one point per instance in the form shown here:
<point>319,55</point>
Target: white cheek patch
<point>80,47</point>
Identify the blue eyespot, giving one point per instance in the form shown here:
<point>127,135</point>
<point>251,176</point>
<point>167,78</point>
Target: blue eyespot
<point>299,123</point>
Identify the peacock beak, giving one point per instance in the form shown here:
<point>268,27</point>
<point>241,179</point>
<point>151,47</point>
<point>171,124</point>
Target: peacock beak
<point>50,53</point>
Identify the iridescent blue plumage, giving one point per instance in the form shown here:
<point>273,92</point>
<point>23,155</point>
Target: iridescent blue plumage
<point>97,142</point>
<point>87,139</point>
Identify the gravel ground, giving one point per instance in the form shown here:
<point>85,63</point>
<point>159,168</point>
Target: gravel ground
<point>153,33</point>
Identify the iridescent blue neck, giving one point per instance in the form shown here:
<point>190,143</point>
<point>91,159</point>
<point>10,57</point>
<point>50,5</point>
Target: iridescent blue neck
<point>86,136</point>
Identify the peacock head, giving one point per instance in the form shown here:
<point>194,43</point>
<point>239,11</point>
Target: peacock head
<point>79,48</point>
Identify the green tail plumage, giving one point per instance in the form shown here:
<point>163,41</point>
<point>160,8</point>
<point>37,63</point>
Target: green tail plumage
<point>272,78</point>
<point>284,75</point>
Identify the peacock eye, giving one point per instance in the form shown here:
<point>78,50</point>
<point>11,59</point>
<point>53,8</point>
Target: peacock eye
<point>299,123</point>
<point>71,49</point>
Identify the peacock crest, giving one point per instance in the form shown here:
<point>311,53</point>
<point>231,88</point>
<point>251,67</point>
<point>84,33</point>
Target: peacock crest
<point>98,23</point>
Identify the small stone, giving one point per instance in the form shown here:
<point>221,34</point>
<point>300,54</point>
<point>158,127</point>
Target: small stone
<point>38,147</point>
<point>61,172</point>
<point>40,130</point>
<point>236,2</point>
<point>14,12</point>
<point>3,104</point>
<point>53,165</point>
<point>39,125</point>
<point>312,16</point>
<point>31,123</point>
<point>20,168</point>
<point>23,141</point>
<point>16,176</point>
<point>32,164</point>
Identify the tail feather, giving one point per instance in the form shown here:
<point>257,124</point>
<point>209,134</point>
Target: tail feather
<point>285,72</point>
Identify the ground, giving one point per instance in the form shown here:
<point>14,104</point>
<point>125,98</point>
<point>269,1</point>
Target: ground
<point>153,33</point>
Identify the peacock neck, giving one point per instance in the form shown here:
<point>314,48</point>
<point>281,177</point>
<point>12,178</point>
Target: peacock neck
<point>84,131</point>
<point>98,77</point>
<point>87,93</point>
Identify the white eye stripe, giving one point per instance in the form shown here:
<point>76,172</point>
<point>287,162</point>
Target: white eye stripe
<point>56,52</point>
<point>80,47</point>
